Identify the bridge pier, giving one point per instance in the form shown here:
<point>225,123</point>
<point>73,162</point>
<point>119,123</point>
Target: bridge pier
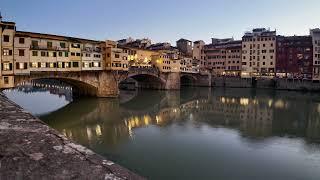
<point>172,81</point>
<point>108,86</point>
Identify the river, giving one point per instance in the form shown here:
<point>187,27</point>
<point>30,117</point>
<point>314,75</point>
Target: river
<point>197,133</point>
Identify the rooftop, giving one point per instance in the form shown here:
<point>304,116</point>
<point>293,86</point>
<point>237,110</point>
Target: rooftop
<point>54,37</point>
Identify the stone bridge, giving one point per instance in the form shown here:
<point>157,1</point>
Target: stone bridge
<point>106,83</point>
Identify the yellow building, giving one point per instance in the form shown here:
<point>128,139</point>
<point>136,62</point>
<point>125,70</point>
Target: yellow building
<point>115,58</point>
<point>166,63</point>
<point>7,33</point>
<point>139,57</point>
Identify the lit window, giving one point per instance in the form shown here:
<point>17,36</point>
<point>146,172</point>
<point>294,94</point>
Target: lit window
<point>7,66</point>
<point>86,65</point>
<point>34,65</point>
<point>43,65</point>
<point>60,65</point>
<point>96,64</point>
<point>7,52</point>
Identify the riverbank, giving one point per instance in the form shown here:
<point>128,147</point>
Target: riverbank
<point>261,83</point>
<point>32,150</point>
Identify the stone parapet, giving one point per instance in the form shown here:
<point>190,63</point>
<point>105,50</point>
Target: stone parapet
<point>31,150</point>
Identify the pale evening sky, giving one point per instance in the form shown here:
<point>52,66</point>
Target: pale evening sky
<point>165,20</point>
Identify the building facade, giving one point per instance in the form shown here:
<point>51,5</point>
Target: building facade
<point>233,58</point>
<point>115,58</point>
<point>223,57</point>
<point>315,34</point>
<point>185,47</point>
<point>7,33</point>
<point>294,57</point>
<point>259,53</point>
<point>198,53</point>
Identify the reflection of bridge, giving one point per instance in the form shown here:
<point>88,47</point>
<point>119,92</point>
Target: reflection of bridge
<point>253,117</point>
<point>105,83</point>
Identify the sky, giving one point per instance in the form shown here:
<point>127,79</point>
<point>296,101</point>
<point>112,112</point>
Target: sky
<point>161,20</point>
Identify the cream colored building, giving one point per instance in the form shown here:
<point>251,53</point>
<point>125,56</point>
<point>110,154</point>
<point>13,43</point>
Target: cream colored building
<point>115,58</point>
<point>21,54</point>
<point>198,53</point>
<point>92,56</point>
<point>315,34</point>
<point>7,33</point>
<point>259,53</point>
<point>189,65</point>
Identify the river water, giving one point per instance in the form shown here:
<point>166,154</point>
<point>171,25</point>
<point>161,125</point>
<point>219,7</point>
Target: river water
<point>197,133</point>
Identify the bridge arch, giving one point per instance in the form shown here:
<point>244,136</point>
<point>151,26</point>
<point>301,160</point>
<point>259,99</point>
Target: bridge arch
<point>146,80</point>
<point>188,80</point>
<point>80,87</point>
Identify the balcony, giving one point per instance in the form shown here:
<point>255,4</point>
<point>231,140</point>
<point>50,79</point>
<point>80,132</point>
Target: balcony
<point>37,47</point>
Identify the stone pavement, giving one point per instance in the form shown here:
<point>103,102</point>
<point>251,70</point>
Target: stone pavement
<point>29,149</point>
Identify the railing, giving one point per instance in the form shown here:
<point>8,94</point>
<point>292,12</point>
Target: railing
<point>139,70</point>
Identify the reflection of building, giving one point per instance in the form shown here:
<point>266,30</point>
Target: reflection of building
<point>258,53</point>
<point>256,117</point>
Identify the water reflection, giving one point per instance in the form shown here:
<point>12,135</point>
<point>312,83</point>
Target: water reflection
<point>207,133</point>
<point>255,115</point>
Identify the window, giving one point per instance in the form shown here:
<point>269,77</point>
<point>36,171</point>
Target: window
<point>75,64</point>
<point>43,53</point>
<point>63,45</point>
<point>34,43</point>
<point>34,65</point>
<point>34,53</point>
<point>6,80</point>
<point>66,65</point>
<point>21,40</point>
<point>43,65</point>
<point>74,45</point>
<point>96,64</point>
<point>78,54</point>
<point>6,66</point>
<point>116,55</point>
<point>66,54</point>
<point>6,38</point>
<point>73,54</point>
<point>54,54</point>
<point>7,52</point>
<point>85,64</point>
<point>21,52</point>
<point>60,54</point>
<point>60,65</point>
<point>49,44</point>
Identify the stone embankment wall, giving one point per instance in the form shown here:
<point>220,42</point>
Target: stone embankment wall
<point>29,149</point>
<point>277,84</point>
